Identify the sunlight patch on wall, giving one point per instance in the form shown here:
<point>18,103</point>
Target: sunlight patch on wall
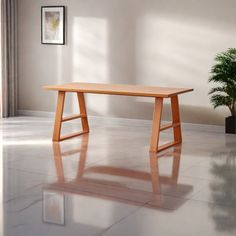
<point>90,58</point>
<point>176,53</point>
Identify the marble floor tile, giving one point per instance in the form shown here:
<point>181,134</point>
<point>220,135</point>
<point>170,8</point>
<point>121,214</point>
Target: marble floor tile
<point>19,183</point>
<point>54,213</point>
<point>107,182</point>
<point>192,218</point>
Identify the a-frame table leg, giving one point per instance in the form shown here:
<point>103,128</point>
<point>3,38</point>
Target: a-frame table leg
<point>58,117</point>
<point>176,119</point>
<point>156,124</point>
<point>83,112</point>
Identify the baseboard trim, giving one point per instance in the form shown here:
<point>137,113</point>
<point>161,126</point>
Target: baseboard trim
<point>35,113</point>
<point>125,121</point>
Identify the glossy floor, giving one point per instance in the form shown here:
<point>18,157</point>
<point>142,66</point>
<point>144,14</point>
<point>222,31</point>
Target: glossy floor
<point>107,183</point>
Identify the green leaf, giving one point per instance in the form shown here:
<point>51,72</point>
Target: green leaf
<point>217,89</point>
<point>220,100</point>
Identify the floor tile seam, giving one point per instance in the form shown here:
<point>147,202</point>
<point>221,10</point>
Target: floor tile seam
<point>20,196</point>
<point>15,161</point>
<point>132,213</point>
<point>174,196</point>
<point>199,191</point>
<point>31,172</point>
<point>28,206</point>
<point>193,177</point>
<point>213,203</point>
<point>187,199</point>
<point>23,194</point>
<point>34,186</point>
<point>121,220</point>
<point>191,166</point>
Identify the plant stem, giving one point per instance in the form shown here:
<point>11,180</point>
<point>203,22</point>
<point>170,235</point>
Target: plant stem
<point>231,110</point>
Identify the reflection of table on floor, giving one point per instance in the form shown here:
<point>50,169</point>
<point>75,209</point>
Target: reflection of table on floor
<point>108,188</point>
<point>159,93</point>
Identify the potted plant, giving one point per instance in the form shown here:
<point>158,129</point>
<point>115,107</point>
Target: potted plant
<point>223,73</point>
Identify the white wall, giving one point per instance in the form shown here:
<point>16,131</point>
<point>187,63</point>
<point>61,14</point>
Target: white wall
<point>151,42</point>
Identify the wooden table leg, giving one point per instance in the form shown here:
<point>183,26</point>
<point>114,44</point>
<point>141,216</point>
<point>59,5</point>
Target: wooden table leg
<point>176,119</point>
<point>58,117</point>
<point>83,111</point>
<point>156,124</point>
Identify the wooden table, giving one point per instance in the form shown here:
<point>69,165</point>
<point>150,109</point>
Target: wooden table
<point>159,93</point>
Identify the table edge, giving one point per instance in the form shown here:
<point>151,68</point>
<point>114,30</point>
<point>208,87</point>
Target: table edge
<point>50,87</point>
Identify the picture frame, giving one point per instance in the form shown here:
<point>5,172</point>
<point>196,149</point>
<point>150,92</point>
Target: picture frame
<point>53,25</point>
<point>53,208</point>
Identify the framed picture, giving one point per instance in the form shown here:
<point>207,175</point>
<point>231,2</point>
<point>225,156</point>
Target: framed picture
<point>53,25</point>
<point>53,207</point>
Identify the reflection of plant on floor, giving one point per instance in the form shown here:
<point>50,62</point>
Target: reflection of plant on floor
<point>223,191</point>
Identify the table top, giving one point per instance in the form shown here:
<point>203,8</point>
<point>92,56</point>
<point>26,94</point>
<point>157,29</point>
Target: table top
<point>119,89</point>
